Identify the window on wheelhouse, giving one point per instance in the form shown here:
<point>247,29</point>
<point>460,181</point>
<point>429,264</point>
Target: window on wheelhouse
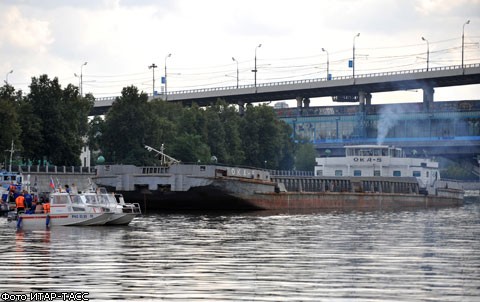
<point>357,172</point>
<point>397,173</point>
<point>61,199</point>
<point>76,199</point>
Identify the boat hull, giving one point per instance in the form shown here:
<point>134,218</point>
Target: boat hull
<point>35,221</point>
<point>121,219</point>
<point>211,198</point>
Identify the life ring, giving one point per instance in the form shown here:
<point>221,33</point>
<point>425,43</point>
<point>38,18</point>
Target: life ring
<point>47,221</point>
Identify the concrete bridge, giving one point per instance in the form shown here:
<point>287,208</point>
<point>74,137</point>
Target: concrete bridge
<point>342,89</point>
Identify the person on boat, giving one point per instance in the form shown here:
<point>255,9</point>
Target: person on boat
<point>28,199</point>
<point>46,206</point>
<point>67,189</point>
<point>39,209</point>
<point>12,187</point>
<point>11,200</point>
<point>20,203</point>
<point>74,189</point>
<point>32,208</point>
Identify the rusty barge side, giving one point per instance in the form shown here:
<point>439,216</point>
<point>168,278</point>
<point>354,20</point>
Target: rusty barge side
<point>347,201</point>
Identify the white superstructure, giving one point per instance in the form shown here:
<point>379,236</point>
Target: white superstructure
<point>379,161</point>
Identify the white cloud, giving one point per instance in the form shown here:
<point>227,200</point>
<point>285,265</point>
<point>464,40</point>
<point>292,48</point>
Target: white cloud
<point>26,35</point>
<point>121,38</point>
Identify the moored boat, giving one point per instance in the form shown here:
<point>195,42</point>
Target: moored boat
<point>377,177</point>
<point>122,213</point>
<point>65,210</point>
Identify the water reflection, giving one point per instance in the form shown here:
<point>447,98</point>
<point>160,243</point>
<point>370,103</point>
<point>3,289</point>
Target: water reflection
<point>420,255</point>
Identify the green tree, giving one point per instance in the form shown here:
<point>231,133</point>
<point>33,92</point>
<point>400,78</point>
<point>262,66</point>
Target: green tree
<point>231,121</point>
<point>11,129</point>
<point>215,132</point>
<point>266,140</point>
<point>191,148</point>
<point>305,156</point>
<point>129,126</point>
<point>31,136</point>
<point>96,127</point>
<point>65,119</point>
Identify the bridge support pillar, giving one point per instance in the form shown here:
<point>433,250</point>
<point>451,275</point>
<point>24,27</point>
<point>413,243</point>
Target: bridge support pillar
<point>306,102</point>
<point>299,101</point>
<point>302,102</point>
<point>241,107</point>
<point>361,100</point>
<point>368,99</point>
<point>428,92</point>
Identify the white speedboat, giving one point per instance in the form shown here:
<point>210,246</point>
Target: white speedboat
<point>122,213</point>
<point>65,210</point>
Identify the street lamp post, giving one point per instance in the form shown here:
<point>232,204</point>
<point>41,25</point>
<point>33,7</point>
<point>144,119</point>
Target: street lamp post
<point>152,67</point>
<point>6,76</point>
<point>353,57</point>
<point>428,51</point>
<point>255,70</point>
<point>233,59</point>
<point>463,38</point>
<point>328,64</point>
<point>81,78</point>
<point>166,57</point>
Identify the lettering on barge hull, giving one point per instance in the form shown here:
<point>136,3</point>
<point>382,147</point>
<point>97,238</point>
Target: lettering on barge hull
<point>368,159</point>
<point>240,172</point>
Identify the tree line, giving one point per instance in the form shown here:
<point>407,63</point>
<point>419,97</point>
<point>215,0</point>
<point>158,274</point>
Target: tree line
<point>51,125</point>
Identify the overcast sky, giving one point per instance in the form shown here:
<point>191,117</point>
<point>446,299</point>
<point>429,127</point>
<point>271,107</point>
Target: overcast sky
<point>120,38</point>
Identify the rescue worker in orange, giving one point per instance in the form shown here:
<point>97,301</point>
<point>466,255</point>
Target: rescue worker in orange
<point>20,202</point>
<point>12,188</point>
<point>46,206</point>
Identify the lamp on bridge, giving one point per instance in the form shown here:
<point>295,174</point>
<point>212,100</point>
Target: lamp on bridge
<point>81,78</point>
<point>152,67</point>
<point>233,59</point>
<point>6,76</point>
<point>353,58</point>
<point>255,70</point>
<point>328,64</point>
<point>463,38</point>
<point>428,51</point>
<point>165,78</point>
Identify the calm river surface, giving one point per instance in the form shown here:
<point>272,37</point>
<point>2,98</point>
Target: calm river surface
<point>410,255</point>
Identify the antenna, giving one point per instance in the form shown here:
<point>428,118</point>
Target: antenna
<point>165,160</point>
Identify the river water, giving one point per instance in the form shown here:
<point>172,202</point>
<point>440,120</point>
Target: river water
<point>408,255</point>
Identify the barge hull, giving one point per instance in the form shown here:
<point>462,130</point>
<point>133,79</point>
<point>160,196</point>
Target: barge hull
<point>213,199</point>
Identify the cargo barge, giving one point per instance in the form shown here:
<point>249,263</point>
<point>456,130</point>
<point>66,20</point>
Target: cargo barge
<point>179,186</point>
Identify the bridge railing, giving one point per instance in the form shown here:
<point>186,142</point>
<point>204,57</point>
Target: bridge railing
<point>303,81</point>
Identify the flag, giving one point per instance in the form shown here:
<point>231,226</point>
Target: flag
<point>52,184</point>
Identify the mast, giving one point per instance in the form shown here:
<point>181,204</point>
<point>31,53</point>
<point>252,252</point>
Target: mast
<point>165,160</point>
<point>12,150</point>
